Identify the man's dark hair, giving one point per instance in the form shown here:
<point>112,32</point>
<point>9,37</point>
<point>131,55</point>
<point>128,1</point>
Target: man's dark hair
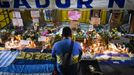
<point>67,32</point>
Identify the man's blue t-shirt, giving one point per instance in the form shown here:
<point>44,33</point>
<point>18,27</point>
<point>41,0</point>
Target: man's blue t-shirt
<point>62,47</point>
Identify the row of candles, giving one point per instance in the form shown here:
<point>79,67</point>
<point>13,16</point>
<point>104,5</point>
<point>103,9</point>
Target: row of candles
<point>15,43</point>
<point>100,48</point>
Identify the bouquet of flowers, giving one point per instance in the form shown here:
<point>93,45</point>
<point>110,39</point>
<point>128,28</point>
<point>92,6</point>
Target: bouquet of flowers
<point>115,34</point>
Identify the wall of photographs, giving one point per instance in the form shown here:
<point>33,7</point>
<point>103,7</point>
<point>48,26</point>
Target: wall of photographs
<point>116,18</point>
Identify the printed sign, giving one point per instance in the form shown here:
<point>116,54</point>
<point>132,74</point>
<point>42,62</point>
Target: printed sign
<point>91,28</point>
<point>41,38</point>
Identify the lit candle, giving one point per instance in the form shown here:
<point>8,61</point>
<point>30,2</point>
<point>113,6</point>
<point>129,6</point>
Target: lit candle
<point>84,40</point>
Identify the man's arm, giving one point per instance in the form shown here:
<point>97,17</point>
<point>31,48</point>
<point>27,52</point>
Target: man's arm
<point>53,52</point>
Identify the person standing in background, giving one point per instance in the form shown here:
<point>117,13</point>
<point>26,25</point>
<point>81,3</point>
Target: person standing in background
<point>62,47</point>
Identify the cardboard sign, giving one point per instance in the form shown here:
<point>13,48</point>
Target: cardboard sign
<point>35,14</point>
<point>24,42</point>
<point>41,38</point>
<point>15,22</point>
<point>16,14</point>
<point>95,21</point>
<point>35,20</point>
<point>20,22</point>
<point>74,15</point>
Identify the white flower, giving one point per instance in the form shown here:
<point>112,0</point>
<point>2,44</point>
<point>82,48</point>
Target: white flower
<point>13,32</point>
<point>118,34</point>
<point>3,30</point>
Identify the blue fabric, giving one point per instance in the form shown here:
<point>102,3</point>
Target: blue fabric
<point>32,62</point>
<point>36,50</point>
<point>26,66</point>
<point>117,62</point>
<point>7,57</point>
<point>7,73</point>
<point>29,66</point>
<point>40,68</point>
<point>110,54</point>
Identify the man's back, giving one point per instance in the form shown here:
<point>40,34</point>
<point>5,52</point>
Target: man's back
<point>63,47</point>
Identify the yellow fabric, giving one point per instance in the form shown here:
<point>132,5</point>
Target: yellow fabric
<point>35,55</point>
<point>103,16</point>
<point>58,59</point>
<point>120,17</point>
<point>88,16</point>
<point>2,18</point>
<point>75,59</point>
<point>2,48</point>
<point>64,15</point>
